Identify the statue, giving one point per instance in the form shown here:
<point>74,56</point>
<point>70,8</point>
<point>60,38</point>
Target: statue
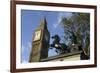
<point>61,48</point>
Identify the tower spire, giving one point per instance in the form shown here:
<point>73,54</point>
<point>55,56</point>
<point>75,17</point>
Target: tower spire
<point>40,42</point>
<point>43,23</point>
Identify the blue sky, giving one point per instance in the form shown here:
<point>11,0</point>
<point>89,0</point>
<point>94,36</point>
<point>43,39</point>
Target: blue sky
<point>30,20</point>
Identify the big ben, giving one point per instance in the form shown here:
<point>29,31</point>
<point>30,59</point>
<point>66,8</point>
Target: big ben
<point>40,42</point>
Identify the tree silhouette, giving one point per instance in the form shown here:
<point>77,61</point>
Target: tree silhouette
<point>77,30</point>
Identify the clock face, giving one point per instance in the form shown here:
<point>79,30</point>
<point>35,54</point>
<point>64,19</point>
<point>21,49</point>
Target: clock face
<point>37,35</point>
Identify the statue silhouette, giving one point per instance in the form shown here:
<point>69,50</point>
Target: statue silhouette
<point>61,48</point>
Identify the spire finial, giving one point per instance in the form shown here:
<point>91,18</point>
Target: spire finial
<point>43,23</point>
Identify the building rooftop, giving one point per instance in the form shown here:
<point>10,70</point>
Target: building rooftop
<point>61,56</point>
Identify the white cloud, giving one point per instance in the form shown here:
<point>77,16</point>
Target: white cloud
<point>25,51</point>
<point>62,14</point>
<point>24,61</point>
<point>26,47</point>
<point>29,45</point>
<point>58,20</point>
<point>22,48</point>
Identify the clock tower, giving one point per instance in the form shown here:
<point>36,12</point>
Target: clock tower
<point>40,42</point>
